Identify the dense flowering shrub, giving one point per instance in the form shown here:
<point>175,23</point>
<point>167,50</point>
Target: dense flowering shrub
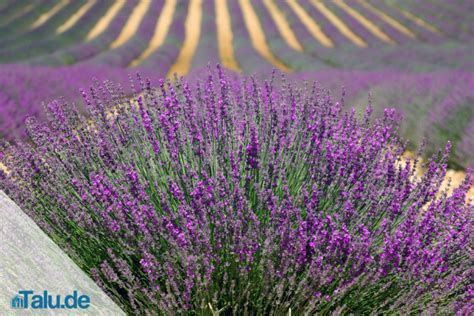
<point>236,196</point>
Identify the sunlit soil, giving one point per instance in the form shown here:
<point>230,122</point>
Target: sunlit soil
<point>104,21</point>
<point>257,36</point>
<point>191,40</point>
<point>4,168</point>
<point>132,24</point>
<point>339,24</point>
<point>453,179</point>
<point>76,17</point>
<point>225,36</point>
<point>48,15</point>
<point>311,25</point>
<point>374,29</point>
<point>283,27</point>
<point>388,19</point>
<point>161,31</point>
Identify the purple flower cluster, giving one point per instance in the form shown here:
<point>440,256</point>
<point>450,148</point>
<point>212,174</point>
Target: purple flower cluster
<point>246,197</point>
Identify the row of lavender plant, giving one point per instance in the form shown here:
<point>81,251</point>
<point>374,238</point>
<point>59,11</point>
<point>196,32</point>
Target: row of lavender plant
<point>207,50</point>
<point>123,55</point>
<point>11,41</point>
<point>11,27</point>
<point>164,56</point>
<point>44,40</point>
<point>86,50</point>
<point>25,89</point>
<point>417,55</point>
<point>237,196</point>
<point>298,61</point>
<point>449,17</point>
<point>46,50</point>
<point>413,54</point>
<point>436,108</point>
<point>422,33</point>
<point>98,52</point>
<point>428,102</point>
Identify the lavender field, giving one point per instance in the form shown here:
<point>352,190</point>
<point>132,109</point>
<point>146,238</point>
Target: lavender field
<point>253,157</point>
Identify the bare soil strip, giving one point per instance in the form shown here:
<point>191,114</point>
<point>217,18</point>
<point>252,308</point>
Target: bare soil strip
<point>104,21</point>
<point>161,31</point>
<point>132,24</point>
<point>283,26</point>
<point>310,24</point>
<point>76,17</point>
<point>339,24</point>
<point>257,36</point>
<point>225,36</point>
<point>374,29</point>
<point>18,14</point>
<point>48,15</point>
<point>192,33</point>
<point>414,18</point>
<point>388,19</point>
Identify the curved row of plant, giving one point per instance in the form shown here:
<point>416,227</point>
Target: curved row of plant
<point>436,107</point>
<point>25,90</point>
<point>43,46</point>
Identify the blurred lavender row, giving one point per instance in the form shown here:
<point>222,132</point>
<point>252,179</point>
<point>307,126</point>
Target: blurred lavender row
<point>437,106</point>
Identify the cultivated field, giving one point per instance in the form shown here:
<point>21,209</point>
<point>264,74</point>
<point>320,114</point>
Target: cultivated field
<point>247,156</point>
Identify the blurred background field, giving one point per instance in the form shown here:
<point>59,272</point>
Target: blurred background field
<point>414,56</point>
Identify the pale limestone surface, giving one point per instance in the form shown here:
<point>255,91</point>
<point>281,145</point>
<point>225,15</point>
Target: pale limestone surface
<point>30,260</point>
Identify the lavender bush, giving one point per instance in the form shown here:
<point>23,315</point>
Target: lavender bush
<point>236,196</point>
